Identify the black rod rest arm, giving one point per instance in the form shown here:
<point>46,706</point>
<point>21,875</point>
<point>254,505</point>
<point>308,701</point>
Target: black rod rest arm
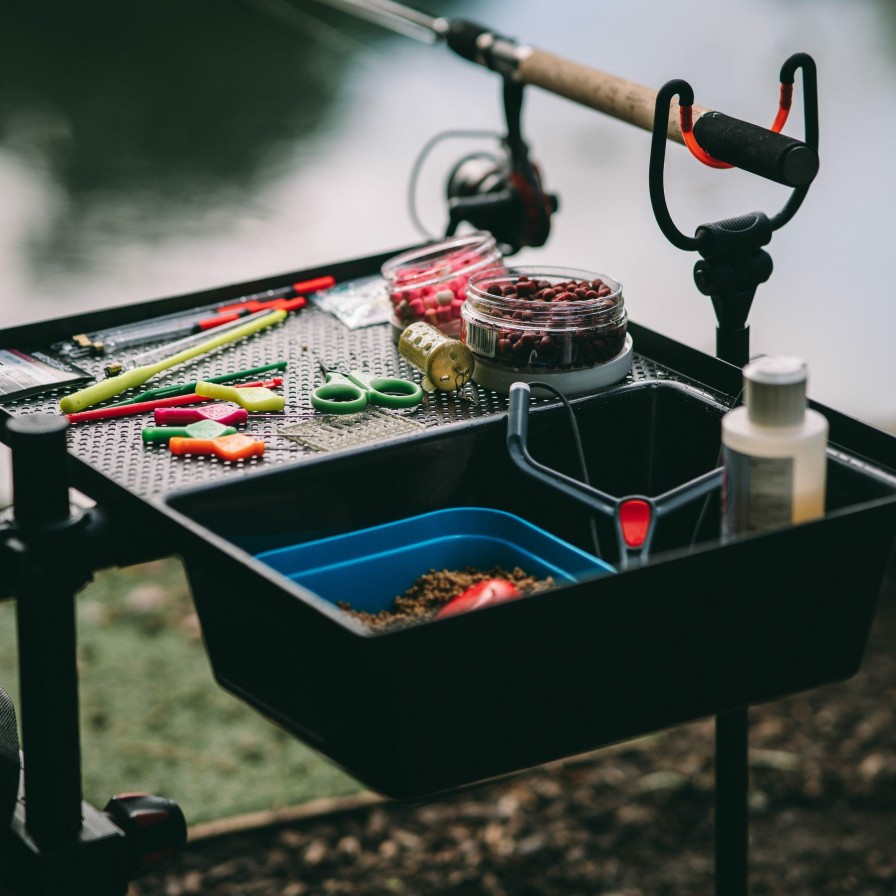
<point>592,498</point>
<point>517,447</point>
<point>734,263</point>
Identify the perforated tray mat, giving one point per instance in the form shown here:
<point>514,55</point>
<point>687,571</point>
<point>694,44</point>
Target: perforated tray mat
<point>114,448</point>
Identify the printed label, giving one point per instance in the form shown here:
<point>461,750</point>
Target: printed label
<point>757,492</point>
<point>22,374</point>
<point>482,340</point>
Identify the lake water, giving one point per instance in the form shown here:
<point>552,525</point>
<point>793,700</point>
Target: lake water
<point>147,152</point>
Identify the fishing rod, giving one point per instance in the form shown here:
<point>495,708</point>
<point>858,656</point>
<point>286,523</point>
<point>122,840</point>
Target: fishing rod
<point>716,139</point>
<point>510,202</point>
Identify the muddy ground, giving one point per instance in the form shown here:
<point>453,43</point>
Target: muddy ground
<point>630,820</point>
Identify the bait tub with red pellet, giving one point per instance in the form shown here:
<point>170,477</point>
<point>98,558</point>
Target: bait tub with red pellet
<point>699,629</point>
<point>561,326</point>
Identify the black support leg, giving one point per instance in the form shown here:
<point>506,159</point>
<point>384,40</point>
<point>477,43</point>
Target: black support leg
<point>732,776</point>
<point>48,677</point>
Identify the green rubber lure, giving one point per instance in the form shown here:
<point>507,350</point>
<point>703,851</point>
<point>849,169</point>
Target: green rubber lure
<point>201,429</point>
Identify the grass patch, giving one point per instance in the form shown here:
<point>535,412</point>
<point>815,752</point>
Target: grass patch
<point>154,719</point>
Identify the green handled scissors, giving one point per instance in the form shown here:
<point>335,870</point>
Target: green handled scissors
<point>348,393</point>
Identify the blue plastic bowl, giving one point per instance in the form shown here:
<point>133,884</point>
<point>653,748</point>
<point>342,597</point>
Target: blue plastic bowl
<point>370,567</point>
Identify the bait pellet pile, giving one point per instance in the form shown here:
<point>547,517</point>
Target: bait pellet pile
<point>434,589</point>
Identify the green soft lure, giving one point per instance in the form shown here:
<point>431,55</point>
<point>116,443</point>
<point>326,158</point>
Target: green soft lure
<point>201,429</point>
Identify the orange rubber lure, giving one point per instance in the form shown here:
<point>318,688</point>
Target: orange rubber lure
<point>235,447</point>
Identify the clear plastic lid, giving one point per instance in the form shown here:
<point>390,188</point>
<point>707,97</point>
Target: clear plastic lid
<point>437,262</point>
<point>544,299</point>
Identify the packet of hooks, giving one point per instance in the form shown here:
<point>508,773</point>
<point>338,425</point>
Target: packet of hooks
<point>23,374</point>
<point>358,303</point>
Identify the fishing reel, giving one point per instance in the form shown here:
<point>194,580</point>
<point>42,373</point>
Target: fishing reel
<point>499,191</point>
<point>502,193</point>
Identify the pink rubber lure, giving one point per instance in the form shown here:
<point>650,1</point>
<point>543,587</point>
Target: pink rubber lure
<point>227,414</point>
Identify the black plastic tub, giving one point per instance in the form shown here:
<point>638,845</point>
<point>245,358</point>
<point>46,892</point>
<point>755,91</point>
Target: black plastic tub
<point>699,629</point>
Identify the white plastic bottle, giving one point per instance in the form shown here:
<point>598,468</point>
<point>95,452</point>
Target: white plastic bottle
<point>773,450</point>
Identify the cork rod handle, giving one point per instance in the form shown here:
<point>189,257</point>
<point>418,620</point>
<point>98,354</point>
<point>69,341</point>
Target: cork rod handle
<point>598,90</point>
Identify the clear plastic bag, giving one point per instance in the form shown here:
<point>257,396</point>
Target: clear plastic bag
<point>357,303</point>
